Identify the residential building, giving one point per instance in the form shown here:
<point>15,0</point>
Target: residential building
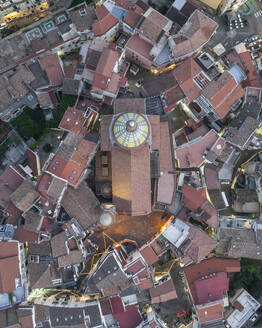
<point>107,77</point>
<point>245,60</point>
<point>55,316</point>
<point>124,314</point>
<point>15,92</point>
<point>106,26</point>
<point>242,128</point>
<point>75,153</point>
<point>212,179</point>
<point>239,238</point>
<point>167,86</point>
<point>25,196</point>
<point>243,307</point>
<point>231,5</point>
<point>208,283</point>
<point>200,209</point>
<point>8,8</point>
<point>82,204</point>
<point>148,46</point>
<point>188,242</point>
<point>193,35</point>
<point>108,278</point>
<point>163,292</point>
<point>13,280</point>
<point>191,78</point>
<point>10,180</point>
<point>220,96</point>
<point>192,153</point>
<point>53,263</point>
<point>180,11</point>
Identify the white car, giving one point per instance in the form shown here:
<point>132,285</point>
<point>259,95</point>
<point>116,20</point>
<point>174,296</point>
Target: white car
<point>254,317</point>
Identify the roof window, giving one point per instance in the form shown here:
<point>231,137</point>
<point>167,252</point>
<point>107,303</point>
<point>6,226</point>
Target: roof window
<point>82,12</point>
<point>71,178</point>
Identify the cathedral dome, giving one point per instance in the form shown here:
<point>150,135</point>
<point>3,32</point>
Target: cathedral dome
<point>130,130</point>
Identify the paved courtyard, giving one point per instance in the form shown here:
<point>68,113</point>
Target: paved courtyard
<point>137,228</point>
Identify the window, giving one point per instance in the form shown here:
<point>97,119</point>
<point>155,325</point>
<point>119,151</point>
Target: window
<point>71,178</point>
<point>74,172</point>
<point>82,12</point>
<point>57,162</point>
<point>53,168</point>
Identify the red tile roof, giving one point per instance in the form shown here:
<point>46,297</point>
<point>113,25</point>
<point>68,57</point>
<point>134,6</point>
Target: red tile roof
<point>165,188</point>
<point>104,77</point>
<point>199,245</point>
<point>223,93</point>
<point>129,170</point>
<point>252,76</point>
<point>44,184</point>
<point>73,120</point>
<point>24,235</point>
<point>33,162</point>
<point>191,154</point>
<point>164,292</point>
<point>135,267</point>
<point>52,67</point>
<point>212,288</point>
<point>189,40</point>
<point>149,255</point>
<point>193,198</point>
<point>116,305</point>
<point>107,62</point>
<point>132,18</point>
<point>145,284</point>
<point>206,267</point>
<point>9,267</point>
<point>104,25</point>
<point>210,312</point>
<point>130,318</point>
<point>127,4</point>
<point>10,180</point>
<point>101,12</point>
<point>138,45</point>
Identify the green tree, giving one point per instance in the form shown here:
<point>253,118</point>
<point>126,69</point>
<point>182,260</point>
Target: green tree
<point>29,128</point>
<point>249,277</point>
<point>47,148</point>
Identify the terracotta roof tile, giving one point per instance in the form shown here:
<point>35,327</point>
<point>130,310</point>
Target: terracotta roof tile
<point>153,24</point>
<point>164,292</point>
<point>212,288</point>
<point>52,66</point>
<point>132,18</point>
<point>142,47</point>
<point>210,313</point>
<point>206,267</point>
<point>105,24</point>
<point>24,235</point>
<point>24,196</point>
<point>149,255</point>
<point>193,198</point>
<point>9,267</point>
<point>193,35</point>
<point>33,160</point>
<point>191,154</point>
<point>73,120</point>
<point>130,169</point>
